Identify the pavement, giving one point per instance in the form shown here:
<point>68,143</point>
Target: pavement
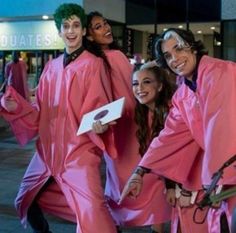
<point>13,162</point>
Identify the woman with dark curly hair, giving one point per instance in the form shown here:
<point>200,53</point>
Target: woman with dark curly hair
<point>200,130</point>
<point>153,93</point>
<point>143,211</point>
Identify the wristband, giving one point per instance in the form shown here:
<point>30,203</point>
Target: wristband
<point>140,171</point>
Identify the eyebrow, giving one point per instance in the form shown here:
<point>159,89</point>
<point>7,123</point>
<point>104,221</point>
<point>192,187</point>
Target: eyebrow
<point>174,47</point>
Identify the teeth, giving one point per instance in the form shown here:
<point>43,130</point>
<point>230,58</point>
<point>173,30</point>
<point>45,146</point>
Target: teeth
<point>180,65</point>
<point>142,94</point>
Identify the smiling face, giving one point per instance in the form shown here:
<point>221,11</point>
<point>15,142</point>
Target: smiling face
<point>146,87</point>
<point>179,57</point>
<point>100,32</point>
<point>72,33</point>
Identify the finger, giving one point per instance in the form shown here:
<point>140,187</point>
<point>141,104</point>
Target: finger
<point>124,194</point>
<point>112,123</point>
<point>173,201</point>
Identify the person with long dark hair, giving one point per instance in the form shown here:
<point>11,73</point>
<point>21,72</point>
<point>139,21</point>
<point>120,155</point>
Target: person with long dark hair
<point>201,124</point>
<point>144,210</point>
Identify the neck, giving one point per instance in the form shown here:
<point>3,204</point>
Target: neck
<point>105,47</point>
<point>71,50</point>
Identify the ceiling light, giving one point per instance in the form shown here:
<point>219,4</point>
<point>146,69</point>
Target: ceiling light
<point>199,32</point>
<point>213,28</point>
<point>180,26</point>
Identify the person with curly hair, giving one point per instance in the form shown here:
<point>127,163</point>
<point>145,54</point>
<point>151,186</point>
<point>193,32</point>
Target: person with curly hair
<point>63,177</point>
<point>200,126</point>
<point>144,210</point>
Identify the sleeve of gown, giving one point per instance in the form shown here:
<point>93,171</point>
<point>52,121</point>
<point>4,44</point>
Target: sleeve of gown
<point>24,122</point>
<point>218,80</point>
<point>97,94</point>
<point>173,152</point>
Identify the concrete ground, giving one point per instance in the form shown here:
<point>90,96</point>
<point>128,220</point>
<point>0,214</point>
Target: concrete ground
<point>13,162</point>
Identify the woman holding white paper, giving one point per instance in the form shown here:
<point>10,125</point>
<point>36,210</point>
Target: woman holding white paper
<point>146,209</point>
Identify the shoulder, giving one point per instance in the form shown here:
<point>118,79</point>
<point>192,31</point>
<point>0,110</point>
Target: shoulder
<point>89,57</point>
<point>115,53</point>
<point>117,58</point>
<point>210,66</point>
<point>208,61</point>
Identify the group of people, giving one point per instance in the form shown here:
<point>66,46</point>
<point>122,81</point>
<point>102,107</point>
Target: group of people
<point>162,152</point>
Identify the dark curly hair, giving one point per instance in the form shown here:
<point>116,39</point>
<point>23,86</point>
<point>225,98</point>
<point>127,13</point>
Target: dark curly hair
<point>94,47</point>
<point>162,104</point>
<point>66,10</point>
<point>184,37</point>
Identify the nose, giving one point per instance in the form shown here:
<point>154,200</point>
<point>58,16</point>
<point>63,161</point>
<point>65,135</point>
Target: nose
<point>70,29</point>
<point>140,86</point>
<point>174,56</point>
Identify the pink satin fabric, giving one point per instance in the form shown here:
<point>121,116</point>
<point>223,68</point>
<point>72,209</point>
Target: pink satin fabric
<point>185,217</point>
<point>202,120</point>
<point>151,206</point>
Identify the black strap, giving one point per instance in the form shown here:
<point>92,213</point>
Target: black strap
<point>215,178</point>
<point>68,58</point>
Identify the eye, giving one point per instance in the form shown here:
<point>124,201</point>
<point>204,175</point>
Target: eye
<point>147,81</point>
<point>105,23</point>
<point>65,26</point>
<point>134,84</point>
<point>167,56</point>
<point>97,26</point>
<point>77,25</point>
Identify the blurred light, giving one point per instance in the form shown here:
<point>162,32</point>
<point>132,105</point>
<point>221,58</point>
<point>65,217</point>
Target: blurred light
<point>164,29</point>
<point>45,17</point>
<point>213,28</point>
<point>199,32</point>
<point>218,43</point>
<point>180,26</point>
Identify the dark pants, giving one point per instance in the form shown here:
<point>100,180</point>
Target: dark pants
<point>35,215</point>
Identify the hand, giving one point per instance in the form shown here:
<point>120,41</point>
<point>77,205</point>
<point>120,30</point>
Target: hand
<point>132,188</point>
<point>170,196</point>
<point>184,201</point>
<point>9,103</point>
<point>216,205</point>
<point>98,128</point>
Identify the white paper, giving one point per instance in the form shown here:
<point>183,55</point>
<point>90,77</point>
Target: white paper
<point>105,114</point>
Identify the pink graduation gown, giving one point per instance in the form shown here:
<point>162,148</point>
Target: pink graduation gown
<point>63,96</point>
<point>16,73</point>
<point>203,119</point>
<point>151,206</point>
